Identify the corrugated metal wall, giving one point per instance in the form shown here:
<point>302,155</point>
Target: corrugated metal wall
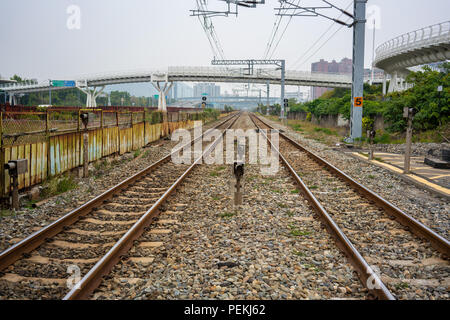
<point>62,152</point>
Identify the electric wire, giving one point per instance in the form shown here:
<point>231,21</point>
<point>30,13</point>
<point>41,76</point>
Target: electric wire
<point>318,40</point>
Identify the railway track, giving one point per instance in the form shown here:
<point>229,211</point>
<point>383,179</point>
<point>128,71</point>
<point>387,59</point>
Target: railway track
<point>92,238</point>
<point>379,238</point>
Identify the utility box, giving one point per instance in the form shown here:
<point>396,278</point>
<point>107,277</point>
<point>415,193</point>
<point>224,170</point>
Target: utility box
<point>16,167</point>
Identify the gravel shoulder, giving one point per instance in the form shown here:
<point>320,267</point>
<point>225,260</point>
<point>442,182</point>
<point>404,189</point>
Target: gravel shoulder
<point>424,206</point>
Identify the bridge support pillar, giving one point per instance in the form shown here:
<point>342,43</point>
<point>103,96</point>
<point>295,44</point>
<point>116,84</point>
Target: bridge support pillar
<point>92,95</point>
<point>162,103</point>
<point>393,85</point>
<point>384,83</point>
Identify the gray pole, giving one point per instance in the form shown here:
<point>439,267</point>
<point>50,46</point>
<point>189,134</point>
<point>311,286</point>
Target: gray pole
<point>268,97</point>
<point>373,54</point>
<point>409,131</point>
<point>358,68</point>
<point>50,92</point>
<point>283,78</point>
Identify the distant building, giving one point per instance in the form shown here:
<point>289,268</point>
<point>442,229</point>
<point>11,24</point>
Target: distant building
<point>210,89</point>
<point>342,67</point>
<point>298,95</point>
<point>181,90</point>
<point>378,73</point>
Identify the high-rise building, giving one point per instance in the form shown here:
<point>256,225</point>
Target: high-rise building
<point>342,67</point>
<point>209,89</point>
<point>181,90</point>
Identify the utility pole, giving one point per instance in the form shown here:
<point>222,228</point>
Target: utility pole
<point>373,54</point>
<point>359,29</point>
<point>358,24</point>
<point>283,80</point>
<point>268,97</point>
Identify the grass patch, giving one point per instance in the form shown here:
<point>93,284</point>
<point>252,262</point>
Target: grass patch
<point>29,204</point>
<point>311,267</point>
<point>298,253</point>
<point>290,213</point>
<point>314,187</point>
<point>282,205</point>
<point>296,191</point>
<point>326,131</point>
<point>371,177</point>
<point>137,153</point>
<point>100,165</point>
<point>214,174</point>
<point>58,185</point>
<point>402,285</point>
<point>215,198</point>
<point>227,215</point>
<point>221,168</point>
<point>6,213</point>
<point>297,232</point>
<point>276,191</point>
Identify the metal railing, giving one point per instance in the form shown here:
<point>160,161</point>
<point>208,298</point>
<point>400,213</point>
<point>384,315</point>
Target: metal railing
<point>416,39</point>
<point>187,72</point>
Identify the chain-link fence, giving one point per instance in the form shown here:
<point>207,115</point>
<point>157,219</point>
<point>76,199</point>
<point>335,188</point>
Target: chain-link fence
<point>51,140</point>
<point>19,128</point>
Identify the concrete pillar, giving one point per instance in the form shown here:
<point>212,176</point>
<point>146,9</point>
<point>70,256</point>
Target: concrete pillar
<point>384,83</point>
<point>162,103</point>
<point>91,96</point>
<point>394,83</point>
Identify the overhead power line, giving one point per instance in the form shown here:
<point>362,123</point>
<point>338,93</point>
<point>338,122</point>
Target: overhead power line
<point>318,40</point>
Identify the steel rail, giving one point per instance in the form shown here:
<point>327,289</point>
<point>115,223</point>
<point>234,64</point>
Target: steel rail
<point>419,229</point>
<point>363,269</point>
<point>16,251</point>
<point>93,278</point>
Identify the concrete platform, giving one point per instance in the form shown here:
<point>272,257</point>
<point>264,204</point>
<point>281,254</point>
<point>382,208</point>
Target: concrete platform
<point>437,180</point>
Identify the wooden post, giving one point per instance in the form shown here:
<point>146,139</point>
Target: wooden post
<point>86,153</point>
<point>118,132</point>
<point>132,131</point>
<point>47,136</point>
<point>79,138</point>
<point>101,127</point>
<point>409,132</point>
<point>145,143</point>
<point>2,158</point>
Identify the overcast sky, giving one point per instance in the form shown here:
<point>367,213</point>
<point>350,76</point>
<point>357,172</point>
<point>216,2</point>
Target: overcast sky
<point>123,35</point>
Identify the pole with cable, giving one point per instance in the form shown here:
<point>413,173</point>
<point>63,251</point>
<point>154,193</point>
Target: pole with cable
<point>358,25</point>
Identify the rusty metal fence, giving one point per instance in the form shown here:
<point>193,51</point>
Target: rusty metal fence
<point>52,140</point>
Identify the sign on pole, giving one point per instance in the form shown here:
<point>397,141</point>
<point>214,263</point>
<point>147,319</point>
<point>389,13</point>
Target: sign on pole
<point>63,83</point>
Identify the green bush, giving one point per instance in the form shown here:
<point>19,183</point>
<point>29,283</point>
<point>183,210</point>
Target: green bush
<point>156,117</point>
<point>309,117</point>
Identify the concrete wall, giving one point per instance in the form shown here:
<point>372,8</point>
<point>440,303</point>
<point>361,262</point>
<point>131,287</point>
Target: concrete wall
<point>334,121</point>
